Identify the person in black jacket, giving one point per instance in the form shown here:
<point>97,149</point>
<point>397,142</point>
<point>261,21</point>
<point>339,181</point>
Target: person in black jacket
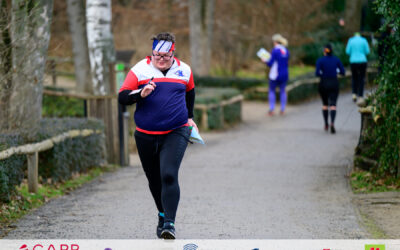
<point>327,69</point>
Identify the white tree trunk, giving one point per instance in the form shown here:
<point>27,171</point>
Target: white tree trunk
<point>77,27</point>
<point>30,35</point>
<point>100,43</point>
<point>201,20</point>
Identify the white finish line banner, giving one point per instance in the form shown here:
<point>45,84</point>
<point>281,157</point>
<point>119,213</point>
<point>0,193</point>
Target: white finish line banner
<point>199,244</point>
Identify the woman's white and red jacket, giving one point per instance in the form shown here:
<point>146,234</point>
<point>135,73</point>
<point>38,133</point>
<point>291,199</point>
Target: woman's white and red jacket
<point>171,103</point>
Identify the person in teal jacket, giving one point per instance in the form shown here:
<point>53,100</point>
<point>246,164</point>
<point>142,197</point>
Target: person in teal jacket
<point>357,48</point>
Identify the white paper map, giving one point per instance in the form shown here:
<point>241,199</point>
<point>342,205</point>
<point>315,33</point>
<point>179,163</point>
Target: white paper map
<point>263,54</point>
<point>195,136</point>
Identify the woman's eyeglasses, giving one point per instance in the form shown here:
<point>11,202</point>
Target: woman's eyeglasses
<point>166,57</point>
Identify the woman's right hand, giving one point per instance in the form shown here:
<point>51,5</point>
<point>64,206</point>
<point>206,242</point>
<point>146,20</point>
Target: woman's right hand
<point>150,87</point>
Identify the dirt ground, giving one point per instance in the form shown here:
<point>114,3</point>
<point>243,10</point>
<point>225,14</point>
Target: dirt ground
<point>380,213</point>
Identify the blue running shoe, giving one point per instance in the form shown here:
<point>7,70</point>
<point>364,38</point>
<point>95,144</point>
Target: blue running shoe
<point>160,224</point>
<point>168,231</point>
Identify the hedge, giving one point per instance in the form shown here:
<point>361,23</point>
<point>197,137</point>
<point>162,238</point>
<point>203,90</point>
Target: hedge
<point>231,114</point>
<point>74,155</point>
<point>386,98</point>
<point>303,91</point>
<point>228,82</point>
<point>61,106</point>
<point>11,169</point>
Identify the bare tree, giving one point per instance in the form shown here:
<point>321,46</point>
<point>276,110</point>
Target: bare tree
<point>77,27</point>
<point>29,31</point>
<point>201,20</point>
<point>240,27</point>
<point>100,43</point>
<point>243,26</point>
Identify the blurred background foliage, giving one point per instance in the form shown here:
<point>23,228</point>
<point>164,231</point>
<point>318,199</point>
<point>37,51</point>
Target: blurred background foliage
<point>240,29</point>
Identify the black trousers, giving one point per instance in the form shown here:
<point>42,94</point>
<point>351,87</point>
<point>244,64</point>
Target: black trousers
<point>329,91</point>
<point>161,157</point>
<point>358,71</point>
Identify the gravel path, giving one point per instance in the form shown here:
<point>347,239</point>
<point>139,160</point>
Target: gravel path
<point>278,177</point>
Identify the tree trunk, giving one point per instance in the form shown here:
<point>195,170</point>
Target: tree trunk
<point>5,64</point>
<point>353,16</point>
<point>201,19</point>
<point>77,27</point>
<point>30,35</point>
<point>100,44</point>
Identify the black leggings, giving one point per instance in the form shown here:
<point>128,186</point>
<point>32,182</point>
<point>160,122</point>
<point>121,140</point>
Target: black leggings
<point>329,90</point>
<point>161,156</point>
<point>358,78</point>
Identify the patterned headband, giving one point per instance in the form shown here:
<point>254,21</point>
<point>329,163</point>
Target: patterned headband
<point>163,46</point>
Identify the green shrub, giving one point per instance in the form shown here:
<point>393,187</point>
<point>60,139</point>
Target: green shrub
<point>74,155</point>
<point>214,118</point>
<point>12,168</point>
<point>306,91</point>
<point>230,113</point>
<point>61,106</point>
<point>302,92</point>
<point>312,51</point>
<point>387,94</point>
<point>233,82</point>
<point>214,95</point>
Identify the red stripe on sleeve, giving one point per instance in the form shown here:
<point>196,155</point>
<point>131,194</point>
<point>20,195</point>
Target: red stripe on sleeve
<point>190,84</point>
<point>130,83</point>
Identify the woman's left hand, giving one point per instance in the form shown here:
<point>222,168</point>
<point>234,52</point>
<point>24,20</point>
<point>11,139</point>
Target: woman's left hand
<point>192,123</point>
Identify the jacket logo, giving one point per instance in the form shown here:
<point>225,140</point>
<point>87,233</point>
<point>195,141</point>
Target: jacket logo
<point>179,73</point>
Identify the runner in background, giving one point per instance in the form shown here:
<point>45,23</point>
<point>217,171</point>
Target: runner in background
<point>279,72</point>
<point>357,48</point>
<point>327,69</point>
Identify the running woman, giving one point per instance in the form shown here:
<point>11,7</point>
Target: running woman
<point>163,89</point>
<point>327,69</point>
<point>357,48</point>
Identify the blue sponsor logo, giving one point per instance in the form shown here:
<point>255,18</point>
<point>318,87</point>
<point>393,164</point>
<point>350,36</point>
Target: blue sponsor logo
<point>179,73</point>
<point>190,246</point>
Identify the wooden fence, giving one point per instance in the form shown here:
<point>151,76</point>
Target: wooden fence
<point>308,81</point>
<point>32,153</point>
<point>205,107</point>
<point>105,108</point>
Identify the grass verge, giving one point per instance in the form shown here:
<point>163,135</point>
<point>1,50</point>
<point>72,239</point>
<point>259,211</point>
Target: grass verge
<point>23,202</point>
<point>372,228</point>
<point>366,182</point>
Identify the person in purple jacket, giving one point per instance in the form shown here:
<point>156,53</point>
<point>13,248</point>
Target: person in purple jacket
<point>279,72</point>
<point>327,69</point>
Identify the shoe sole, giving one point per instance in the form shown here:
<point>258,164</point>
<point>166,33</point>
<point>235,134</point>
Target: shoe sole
<point>159,232</point>
<point>167,235</point>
